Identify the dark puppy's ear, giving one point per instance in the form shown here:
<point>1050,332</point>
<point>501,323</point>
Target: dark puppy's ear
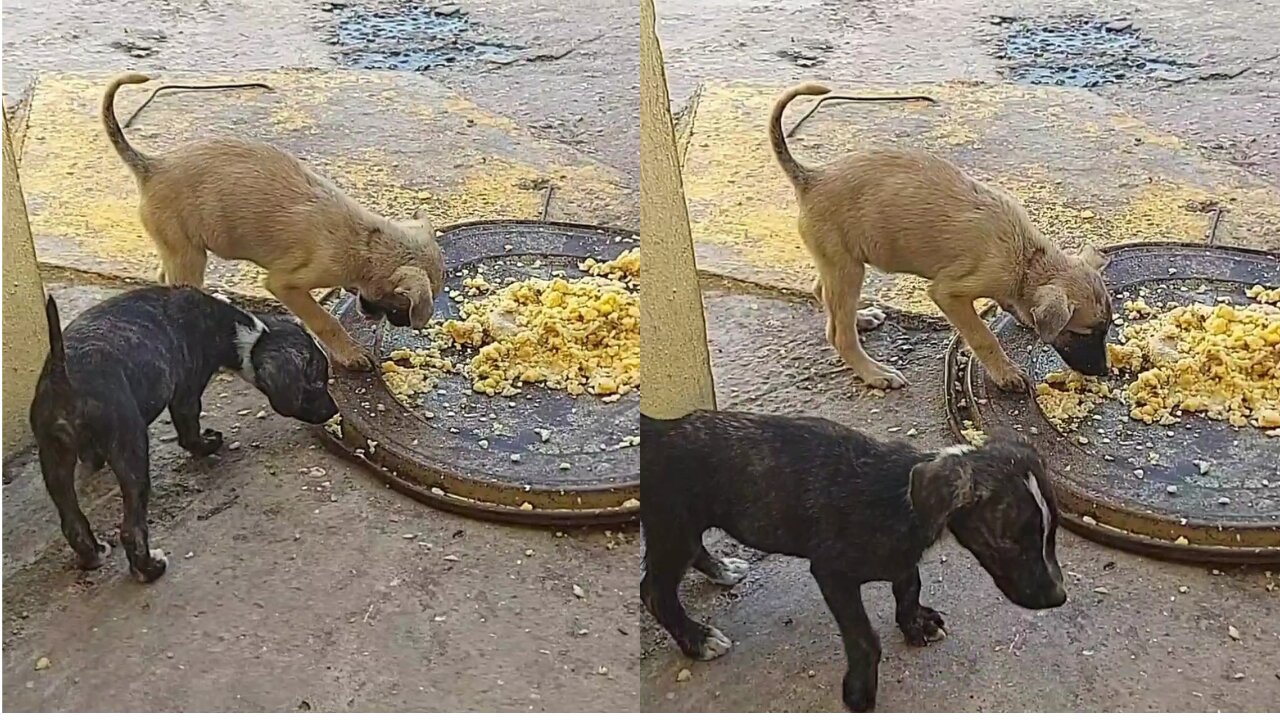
<point>1092,257</point>
<point>939,487</point>
<point>276,368</point>
<point>1050,311</point>
<point>413,284</point>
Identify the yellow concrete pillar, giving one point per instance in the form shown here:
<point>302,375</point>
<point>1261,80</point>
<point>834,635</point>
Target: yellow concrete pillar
<point>674,359</point>
<point>26,338</point>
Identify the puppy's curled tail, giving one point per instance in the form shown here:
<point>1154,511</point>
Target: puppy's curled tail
<point>797,173</point>
<point>57,351</point>
<point>137,162</point>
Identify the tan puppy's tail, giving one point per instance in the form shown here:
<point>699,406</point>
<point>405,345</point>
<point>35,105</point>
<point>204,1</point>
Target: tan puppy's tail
<point>797,173</point>
<point>137,162</point>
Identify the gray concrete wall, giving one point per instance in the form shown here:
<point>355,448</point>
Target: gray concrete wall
<point>26,338</point>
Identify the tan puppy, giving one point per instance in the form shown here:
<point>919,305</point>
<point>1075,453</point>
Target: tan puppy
<point>905,211</point>
<point>245,200</point>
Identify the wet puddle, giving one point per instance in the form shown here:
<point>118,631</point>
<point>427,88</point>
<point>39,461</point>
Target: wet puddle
<point>1081,52</point>
<point>409,36</point>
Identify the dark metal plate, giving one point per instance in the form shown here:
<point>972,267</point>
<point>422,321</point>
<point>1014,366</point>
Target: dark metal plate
<point>1230,513</point>
<point>432,451</point>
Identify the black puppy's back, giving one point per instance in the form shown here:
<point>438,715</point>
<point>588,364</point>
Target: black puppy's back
<point>779,484</point>
<point>128,348</point>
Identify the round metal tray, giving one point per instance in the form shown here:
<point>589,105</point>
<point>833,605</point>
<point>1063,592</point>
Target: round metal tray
<point>431,449</point>
<point>1231,513</point>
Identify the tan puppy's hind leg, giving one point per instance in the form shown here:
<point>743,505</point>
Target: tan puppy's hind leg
<point>182,261</point>
<point>341,348</point>
<point>980,339</point>
<point>843,292</point>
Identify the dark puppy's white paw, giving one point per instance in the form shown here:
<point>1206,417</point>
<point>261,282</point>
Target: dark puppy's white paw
<point>715,645</point>
<point>870,318</point>
<point>730,571</point>
<point>936,635</point>
<point>158,556</point>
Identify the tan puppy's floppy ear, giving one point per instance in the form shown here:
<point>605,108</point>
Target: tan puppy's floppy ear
<point>412,283</point>
<point>1092,257</point>
<point>940,486</point>
<point>1050,311</point>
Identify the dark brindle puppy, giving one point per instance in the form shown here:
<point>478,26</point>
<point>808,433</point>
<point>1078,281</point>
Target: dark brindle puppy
<point>122,362</point>
<point>859,509</point>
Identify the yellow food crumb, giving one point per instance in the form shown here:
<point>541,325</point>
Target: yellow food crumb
<point>411,372</point>
<point>476,284</point>
<point>1067,397</point>
<point>1264,295</point>
<point>974,435</point>
<point>626,268</point>
<point>1221,360</point>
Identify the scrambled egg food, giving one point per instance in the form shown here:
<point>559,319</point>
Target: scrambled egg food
<point>581,335</point>
<point>1220,360</point>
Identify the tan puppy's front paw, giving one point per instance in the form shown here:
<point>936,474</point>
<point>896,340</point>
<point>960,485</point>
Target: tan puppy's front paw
<point>1010,379</point>
<point>353,358</point>
<point>883,377</point>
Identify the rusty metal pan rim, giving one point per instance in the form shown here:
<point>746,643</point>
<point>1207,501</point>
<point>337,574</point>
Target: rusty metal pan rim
<point>477,509</point>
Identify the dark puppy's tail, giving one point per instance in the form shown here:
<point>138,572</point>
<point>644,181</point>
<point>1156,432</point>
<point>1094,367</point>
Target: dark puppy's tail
<point>797,173</point>
<point>57,351</point>
<point>140,164</point>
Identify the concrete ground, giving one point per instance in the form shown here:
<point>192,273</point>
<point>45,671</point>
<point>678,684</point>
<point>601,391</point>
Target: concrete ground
<point>288,591</point>
<point>1135,634</point>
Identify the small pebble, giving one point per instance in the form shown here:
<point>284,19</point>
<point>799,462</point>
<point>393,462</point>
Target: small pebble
<point>684,675</point>
<point>1224,501</point>
<point>1139,473</point>
<point>43,663</point>
<point>579,592</point>
<point>1233,632</point>
<point>234,446</point>
<point>515,457</point>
